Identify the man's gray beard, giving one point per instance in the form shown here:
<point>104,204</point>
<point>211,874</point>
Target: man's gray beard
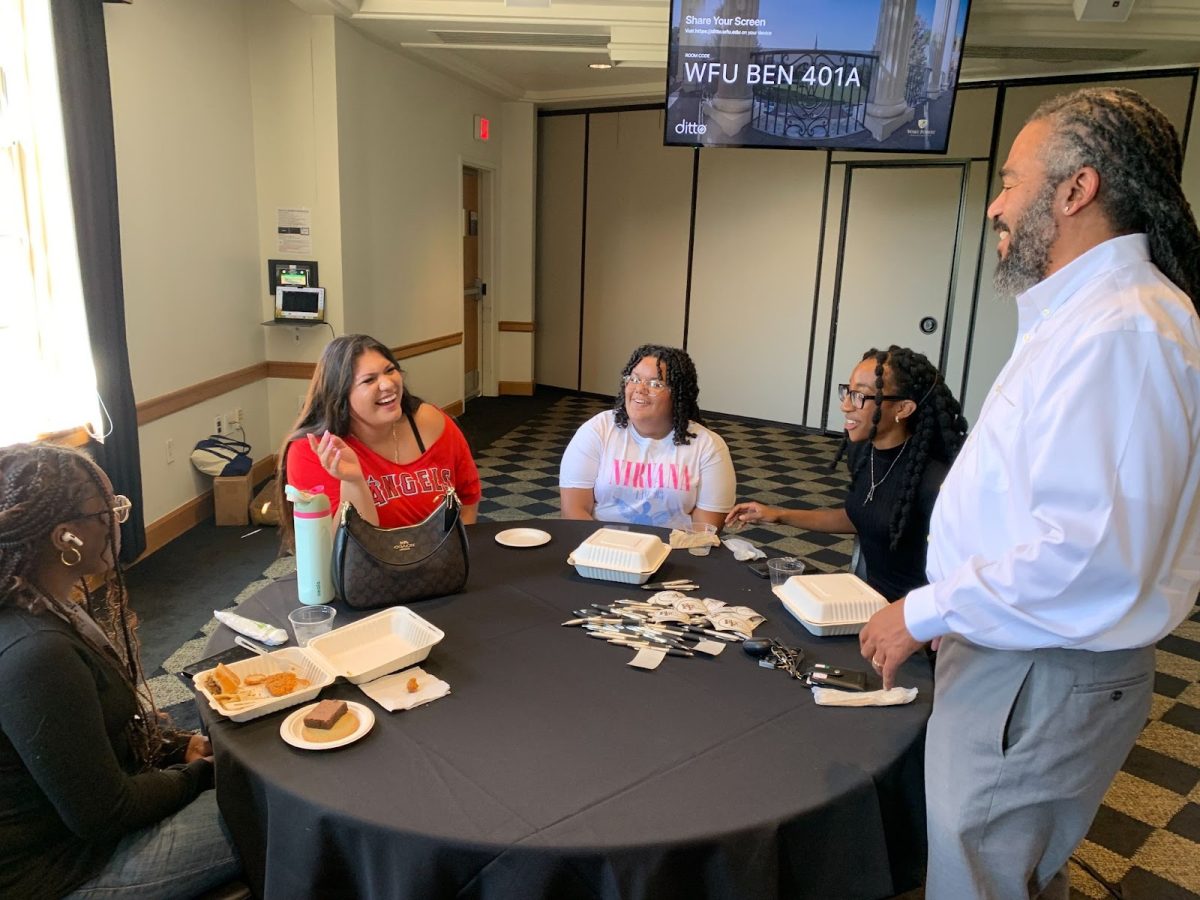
<point>1029,243</point>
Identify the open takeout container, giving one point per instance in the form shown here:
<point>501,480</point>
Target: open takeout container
<point>387,641</point>
<point>629,557</point>
<point>837,603</point>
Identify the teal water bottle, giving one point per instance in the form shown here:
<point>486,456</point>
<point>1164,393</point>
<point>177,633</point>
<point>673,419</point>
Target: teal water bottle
<point>314,544</point>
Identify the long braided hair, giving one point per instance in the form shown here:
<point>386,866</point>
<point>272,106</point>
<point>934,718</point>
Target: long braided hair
<point>327,408</point>
<point>679,372</point>
<point>936,429</point>
<point>44,485</point>
<point>1137,153</point>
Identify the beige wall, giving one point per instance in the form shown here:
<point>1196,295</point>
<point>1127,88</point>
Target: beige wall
<point>637,239</point>
<point>225,111</point>
<point>294,89</point>
<point>559,252</point>
<point>756,242</point>
<point>186,180</point>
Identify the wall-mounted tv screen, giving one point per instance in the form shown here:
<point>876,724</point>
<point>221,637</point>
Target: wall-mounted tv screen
<point>829,74</point>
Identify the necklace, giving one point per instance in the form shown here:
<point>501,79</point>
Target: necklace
<point>874,483</point>
<point>395,445</point>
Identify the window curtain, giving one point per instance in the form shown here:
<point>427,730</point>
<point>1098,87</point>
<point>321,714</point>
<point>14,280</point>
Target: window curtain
<point>82,54</point>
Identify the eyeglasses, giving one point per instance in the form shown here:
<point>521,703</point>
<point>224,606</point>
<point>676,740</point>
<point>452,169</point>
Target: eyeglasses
<point>119,510</point>
<point>858,398</point>
<point>653,384</point>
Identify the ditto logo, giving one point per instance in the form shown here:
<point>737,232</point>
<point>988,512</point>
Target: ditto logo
<point>686,127</point>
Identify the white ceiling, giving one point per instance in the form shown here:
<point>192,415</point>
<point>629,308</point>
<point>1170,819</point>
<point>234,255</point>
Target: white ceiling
<point>539,50</point>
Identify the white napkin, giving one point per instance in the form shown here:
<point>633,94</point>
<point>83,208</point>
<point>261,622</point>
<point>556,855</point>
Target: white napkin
<point>391,691</point>
<point>684,539</point>
<point>897,696</point>
<point>743,550</point>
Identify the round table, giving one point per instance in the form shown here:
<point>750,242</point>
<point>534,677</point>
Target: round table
<point>554,769</point>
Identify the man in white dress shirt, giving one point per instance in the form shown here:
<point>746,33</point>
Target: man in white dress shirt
<point>1066,538</point>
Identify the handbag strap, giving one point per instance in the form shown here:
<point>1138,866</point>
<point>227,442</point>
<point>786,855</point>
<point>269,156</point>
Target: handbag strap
<point>417,434</point>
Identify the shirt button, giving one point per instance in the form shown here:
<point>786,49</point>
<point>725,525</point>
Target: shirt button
<point>1028,338</point>
<point>1117,695</point>
<point>1045,313</point>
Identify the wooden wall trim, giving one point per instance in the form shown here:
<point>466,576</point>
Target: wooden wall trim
<point>158,407</point>
<point>408,351</point>
<point>162,531</point>
<point>515,388</point>
<point>304,371</point>
<point>454,409</point>
<point>299,370</point>
<point>516,326</point>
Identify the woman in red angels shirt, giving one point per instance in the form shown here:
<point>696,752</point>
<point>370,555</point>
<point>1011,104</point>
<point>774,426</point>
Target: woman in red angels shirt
<point>364,438</point>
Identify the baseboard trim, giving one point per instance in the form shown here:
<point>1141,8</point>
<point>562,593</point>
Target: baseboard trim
<point>182,519</point>
<point>454,409</point>
<point>528,327</point>
<point>515,388</point>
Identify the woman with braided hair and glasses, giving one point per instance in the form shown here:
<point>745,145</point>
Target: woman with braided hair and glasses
<point>649,460</point>
<point>97,795</point>
<point>903,430</point>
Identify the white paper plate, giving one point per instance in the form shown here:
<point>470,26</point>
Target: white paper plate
<point>291,732</point>
<point>523,537</point>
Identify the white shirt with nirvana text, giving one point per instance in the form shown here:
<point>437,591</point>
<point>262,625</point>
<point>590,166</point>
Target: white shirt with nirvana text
<point>648,481</point>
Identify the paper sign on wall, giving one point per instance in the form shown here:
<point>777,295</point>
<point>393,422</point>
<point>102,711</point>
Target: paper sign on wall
<point>293,230</point>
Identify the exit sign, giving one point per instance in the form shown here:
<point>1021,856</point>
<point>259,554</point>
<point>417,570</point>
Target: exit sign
<point>483,128</point>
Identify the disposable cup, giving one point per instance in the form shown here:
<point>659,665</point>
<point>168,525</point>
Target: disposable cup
<point>701,528</point>
<point>310,621</point>
<point>784,567</point>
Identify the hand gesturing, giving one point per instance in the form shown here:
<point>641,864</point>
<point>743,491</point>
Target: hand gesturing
<point>336,457</point>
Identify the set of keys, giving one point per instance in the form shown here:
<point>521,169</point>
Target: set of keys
<point>771,654</point>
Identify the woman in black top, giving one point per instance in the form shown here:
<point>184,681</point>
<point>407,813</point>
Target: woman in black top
<point>903,430</point>
<point>95,793</point>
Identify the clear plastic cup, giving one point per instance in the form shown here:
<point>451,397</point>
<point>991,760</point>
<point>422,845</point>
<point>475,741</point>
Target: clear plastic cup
<point>310,621</point>
<point>701,528</point>
<point>784,567</point>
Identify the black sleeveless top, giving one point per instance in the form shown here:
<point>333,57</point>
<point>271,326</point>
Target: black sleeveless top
<point>892,572</point>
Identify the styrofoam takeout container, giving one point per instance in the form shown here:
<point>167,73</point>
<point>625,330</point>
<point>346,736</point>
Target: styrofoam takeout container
<point>277,661</point>
<point>387,641</point>
<point>629,557</point>
<point>837,603</point>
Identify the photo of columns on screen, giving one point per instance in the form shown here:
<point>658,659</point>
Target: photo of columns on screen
<point>826,74</point>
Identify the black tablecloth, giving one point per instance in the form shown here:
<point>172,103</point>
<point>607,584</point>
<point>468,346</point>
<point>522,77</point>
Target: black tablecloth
<point>554,769</point>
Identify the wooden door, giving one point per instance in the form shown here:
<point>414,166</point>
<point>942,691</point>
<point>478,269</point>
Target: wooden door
<point>470,215</point>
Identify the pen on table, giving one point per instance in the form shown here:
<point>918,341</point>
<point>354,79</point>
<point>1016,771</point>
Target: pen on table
<point>670,651</point>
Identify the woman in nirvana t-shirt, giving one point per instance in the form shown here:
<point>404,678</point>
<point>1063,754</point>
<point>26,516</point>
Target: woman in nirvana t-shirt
<point>364,438</point>
<point>649,460</point>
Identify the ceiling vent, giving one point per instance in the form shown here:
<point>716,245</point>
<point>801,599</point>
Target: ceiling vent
<point>523,39</point>
<point>1051,54</point>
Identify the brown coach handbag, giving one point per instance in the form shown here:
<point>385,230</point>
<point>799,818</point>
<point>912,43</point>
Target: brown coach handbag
<point>374,567</point>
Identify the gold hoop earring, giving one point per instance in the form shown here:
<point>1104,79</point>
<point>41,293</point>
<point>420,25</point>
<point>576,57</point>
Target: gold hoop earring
<point>71,562</point>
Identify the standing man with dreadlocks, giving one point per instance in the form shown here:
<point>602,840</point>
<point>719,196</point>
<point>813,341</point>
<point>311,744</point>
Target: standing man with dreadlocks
<point>1066,539</point>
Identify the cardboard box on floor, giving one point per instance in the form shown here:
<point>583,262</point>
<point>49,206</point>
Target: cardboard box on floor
<point>231,499</point>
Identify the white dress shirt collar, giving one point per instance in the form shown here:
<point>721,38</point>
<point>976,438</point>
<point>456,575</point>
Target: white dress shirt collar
<point>1044,299</point>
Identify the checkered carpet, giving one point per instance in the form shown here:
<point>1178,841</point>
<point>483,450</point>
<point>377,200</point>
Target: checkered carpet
<point>1146,837</point>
